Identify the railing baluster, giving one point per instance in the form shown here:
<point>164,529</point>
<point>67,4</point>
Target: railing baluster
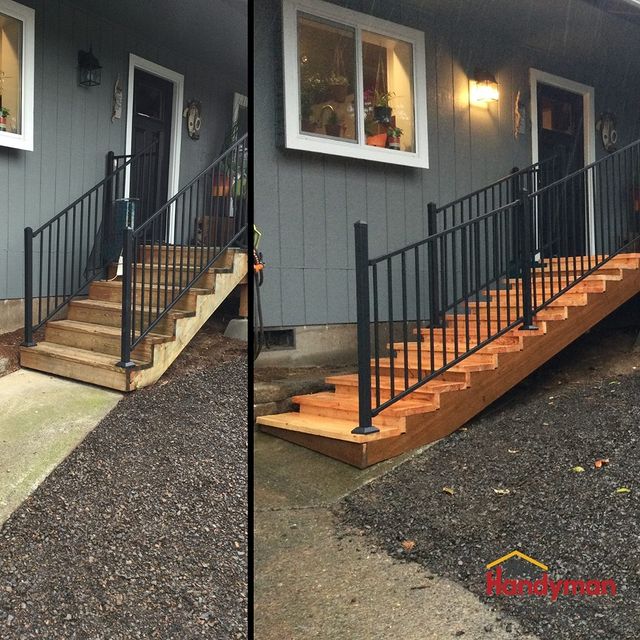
<point>405,326</point>
<point>125,320</point>
<point>376,334</point>
<point>28,288</point>
<point>392,352</point>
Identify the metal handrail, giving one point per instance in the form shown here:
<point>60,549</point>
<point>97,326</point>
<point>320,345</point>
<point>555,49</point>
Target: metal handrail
<point>69,252</point>
<point>216,198</point>
<point>573,226</point>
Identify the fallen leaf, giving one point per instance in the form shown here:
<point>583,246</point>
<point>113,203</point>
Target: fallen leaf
<point>614,382</point>
<point>408,545</point>
<point>545,424</point>
<point>502,492</point>
<point>448,490</point>
<point>600,462</point>
<point>577,469</point>
<point>623,490</point>
<point>513,450</point>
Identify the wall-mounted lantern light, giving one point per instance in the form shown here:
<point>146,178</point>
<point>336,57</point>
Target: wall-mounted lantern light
<point>89,69</point>
<point>484,88</point>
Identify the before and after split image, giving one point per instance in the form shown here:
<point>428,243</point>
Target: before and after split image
<point>319,319</point>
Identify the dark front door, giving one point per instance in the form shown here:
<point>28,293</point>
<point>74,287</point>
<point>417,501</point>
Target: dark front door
<point>152,115</point>
<point>562,221</point>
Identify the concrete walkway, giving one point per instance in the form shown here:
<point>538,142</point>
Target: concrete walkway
<point>42,419</point>
<point>312,583</point>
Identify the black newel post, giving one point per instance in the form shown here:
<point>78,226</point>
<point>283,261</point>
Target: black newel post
<point>107,208</point>
<point>526,257</point>
<point>126,317</point>
<point>434,280</point>
<point>365,425</point>
<point>28,288</point>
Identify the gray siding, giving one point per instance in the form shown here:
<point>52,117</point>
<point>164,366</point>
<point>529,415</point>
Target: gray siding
<point>306,203</point>
<point>73,128</point>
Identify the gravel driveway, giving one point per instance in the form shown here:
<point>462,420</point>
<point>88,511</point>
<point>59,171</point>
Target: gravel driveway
<point>524,476</point>
<point>142,531</point>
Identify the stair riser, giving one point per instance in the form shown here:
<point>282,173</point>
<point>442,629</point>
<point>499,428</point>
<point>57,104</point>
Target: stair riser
<point>99,344</point>
<point>507,339</point>
<point>166,326</point>
<point>194,257</point>
<point>346,414</point>
<point>349,391</point>
<point>566,300</point>
<point>152,297</point>
<point>493,326</point>
<point>439,347</point>
<point>461,377</point>
<point>550,313</point>
<point>597,286</point>
<point>77,371</point>
<point>206,281</point>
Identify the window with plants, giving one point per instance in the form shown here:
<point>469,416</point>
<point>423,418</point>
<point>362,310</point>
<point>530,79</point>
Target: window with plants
<point>354,84</point>
<point>16,75</point>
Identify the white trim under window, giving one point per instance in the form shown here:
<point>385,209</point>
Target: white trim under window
<point>177,79</point>
<point>359,22</point>
<point>26,15</point>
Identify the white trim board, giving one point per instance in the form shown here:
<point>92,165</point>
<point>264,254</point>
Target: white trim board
<point>177,79</point>
<point>588,108</point>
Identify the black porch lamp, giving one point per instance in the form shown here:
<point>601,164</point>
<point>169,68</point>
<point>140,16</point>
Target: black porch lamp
<point>89,69</point>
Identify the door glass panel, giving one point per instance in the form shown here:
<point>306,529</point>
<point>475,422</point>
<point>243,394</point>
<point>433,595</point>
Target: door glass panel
<point>327,76</point>
<point>10,74</point>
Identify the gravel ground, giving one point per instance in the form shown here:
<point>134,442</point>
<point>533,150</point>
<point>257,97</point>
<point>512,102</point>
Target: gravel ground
<point>580,407</point>
<point>142,531</point>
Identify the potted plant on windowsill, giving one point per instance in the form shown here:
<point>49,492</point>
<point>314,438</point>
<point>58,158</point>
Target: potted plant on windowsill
<point>306,124</point>
<point>4,114</point>
<point>381,108</point>
<point>374,137</point>
<point>333,127</point>
<point>337,86</point>
<point>393,137</point>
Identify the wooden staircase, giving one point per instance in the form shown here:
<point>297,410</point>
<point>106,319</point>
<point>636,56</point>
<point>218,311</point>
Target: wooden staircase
<point>325,420</point>
<point>86,344</point>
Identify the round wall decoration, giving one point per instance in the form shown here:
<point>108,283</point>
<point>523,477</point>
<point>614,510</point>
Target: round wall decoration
<point>194,119</point>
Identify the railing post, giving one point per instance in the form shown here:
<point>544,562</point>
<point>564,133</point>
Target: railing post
<point>28,288</point>
<point>126,317</point>
<point>434,288</point>
<point>526,257</point>
<point>365,425</point>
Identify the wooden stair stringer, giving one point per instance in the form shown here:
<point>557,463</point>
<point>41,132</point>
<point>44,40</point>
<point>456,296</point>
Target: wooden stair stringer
<point>186,328</point>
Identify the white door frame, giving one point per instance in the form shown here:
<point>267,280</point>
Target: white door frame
<point>175,140</point>
<point>588,109</point>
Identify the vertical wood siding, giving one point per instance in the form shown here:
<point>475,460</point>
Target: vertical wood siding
<point>73,128</point>
<point>306,203</point>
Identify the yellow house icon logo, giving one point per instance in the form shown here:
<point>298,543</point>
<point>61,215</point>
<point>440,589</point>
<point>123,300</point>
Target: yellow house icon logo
<point>522,556</point>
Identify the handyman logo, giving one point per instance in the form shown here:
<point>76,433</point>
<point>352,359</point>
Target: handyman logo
<point>544,585</point>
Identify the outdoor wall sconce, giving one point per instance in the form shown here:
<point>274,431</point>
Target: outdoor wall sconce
<point>89,69</point>
<point>483,88</point>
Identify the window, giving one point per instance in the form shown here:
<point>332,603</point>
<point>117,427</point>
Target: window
<point>16,75</point>
<point>354,85</point>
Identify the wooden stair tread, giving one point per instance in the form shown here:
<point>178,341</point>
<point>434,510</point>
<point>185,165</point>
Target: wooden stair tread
<point>433,386</point>
<point>72,354</point>
<point>117,306</point>
<point>404,407</point>
<point>102,329</point>
<point>117,284</point>
<point>333,428</point>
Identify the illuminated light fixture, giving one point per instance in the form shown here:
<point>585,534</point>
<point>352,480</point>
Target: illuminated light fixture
<point>89,69</point>
<point>484,88</point>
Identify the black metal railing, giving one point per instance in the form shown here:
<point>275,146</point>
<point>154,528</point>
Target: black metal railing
<point>64,255</point>
<point>424,308</point>
<point>166,254</point>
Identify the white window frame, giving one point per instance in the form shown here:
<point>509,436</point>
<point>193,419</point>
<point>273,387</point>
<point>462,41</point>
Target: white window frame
<point>26,15</point>
<point>296,139</point>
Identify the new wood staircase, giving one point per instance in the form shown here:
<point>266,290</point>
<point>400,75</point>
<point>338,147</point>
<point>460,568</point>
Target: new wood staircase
<point>325,420</point>
<point>86,345</point>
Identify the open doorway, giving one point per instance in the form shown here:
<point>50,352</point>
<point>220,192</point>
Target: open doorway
<point>563,141</point>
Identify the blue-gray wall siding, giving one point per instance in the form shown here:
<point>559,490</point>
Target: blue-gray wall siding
<point>306,204</point>
<point>73,128</point>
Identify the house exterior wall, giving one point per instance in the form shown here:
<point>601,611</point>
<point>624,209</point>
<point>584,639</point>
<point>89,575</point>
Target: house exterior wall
<point>73,128</point>
<point>306,203</point>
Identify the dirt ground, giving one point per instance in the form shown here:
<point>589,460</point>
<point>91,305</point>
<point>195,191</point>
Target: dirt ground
<point>142,531</point>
